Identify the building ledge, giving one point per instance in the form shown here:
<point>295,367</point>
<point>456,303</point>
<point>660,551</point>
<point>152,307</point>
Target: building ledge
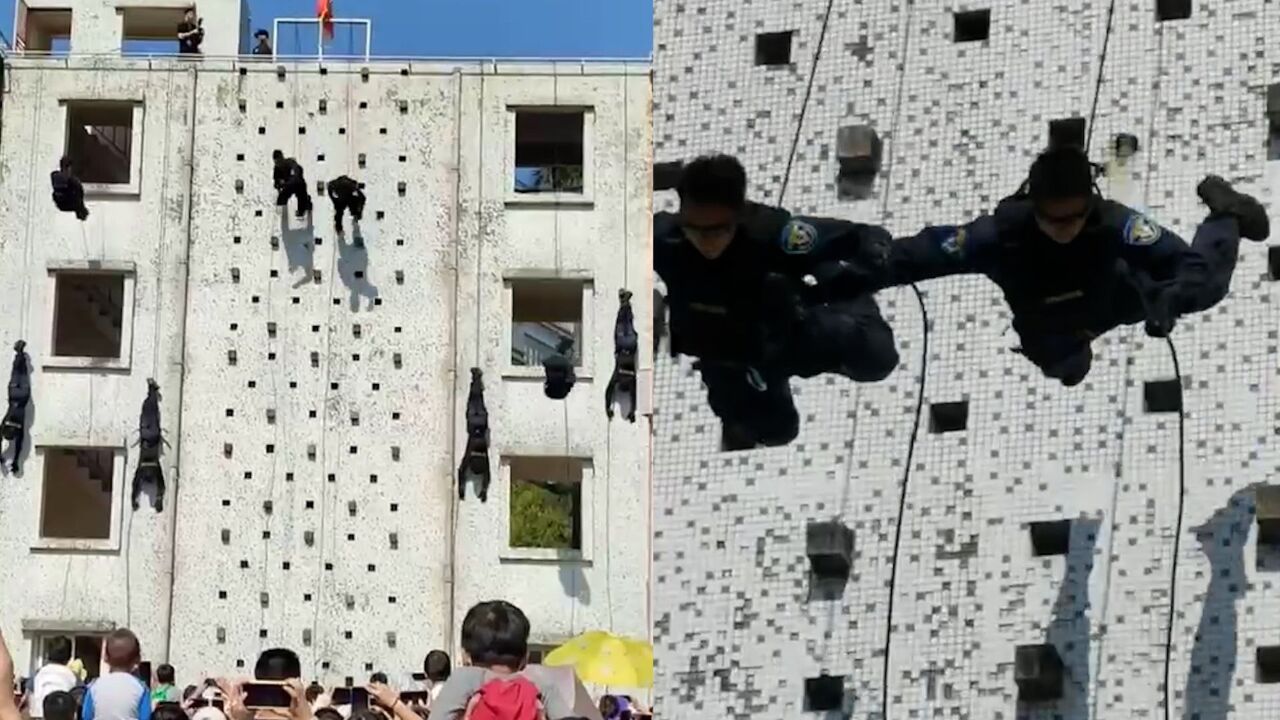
<point>544,556</point>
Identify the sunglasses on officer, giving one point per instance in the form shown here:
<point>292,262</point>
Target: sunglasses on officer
<point>710,228</point>
<point>1062,219</point>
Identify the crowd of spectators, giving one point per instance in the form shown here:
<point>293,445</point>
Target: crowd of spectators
<point>493,682</point>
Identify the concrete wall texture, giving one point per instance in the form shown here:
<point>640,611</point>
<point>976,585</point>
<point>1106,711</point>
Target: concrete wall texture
<point>311,497</point>
<point>736,631</point>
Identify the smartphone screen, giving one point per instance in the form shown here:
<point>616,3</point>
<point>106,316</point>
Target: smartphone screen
<point>410,697</point>
<point>143,673</point>
<point>356,697</point>
<point>265,695</point>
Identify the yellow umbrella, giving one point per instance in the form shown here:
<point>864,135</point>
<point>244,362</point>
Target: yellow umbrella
<point>605,659</point>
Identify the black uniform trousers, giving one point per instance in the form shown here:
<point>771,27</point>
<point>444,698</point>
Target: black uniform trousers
<point>1064,352</point>
<point>848,337</point>
<point>295,187</point>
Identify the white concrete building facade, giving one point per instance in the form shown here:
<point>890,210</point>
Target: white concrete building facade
<point>962,96</point>
<point>314,385</point>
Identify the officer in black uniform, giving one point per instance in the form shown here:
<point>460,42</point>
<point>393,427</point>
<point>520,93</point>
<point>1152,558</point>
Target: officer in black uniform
<point>346,195</point>
<point>68,193</point>
<point>760,296</point>
<point>1073,265</point>
<point>289,181</point>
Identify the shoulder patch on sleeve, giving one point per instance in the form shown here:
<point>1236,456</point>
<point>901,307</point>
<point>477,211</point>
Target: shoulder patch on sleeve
<point>798,238</point>
<point>1141,230</point>
<point>953,243</point>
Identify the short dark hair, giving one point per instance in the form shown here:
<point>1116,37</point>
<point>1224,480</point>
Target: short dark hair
<point>123,648</point>
<point>189,691</point>
<point>168,711</point>
<point>60,705</point>
<point>608,706</point>
<point>1061,172</point>
<point>58,650</point>
<point>277,154</point>
<point>378,677</point>
<point>495,632</point>
<point>262,32</point>
<point>328,713</point>
<point>164,674</point>
<point>277,664</point>
<point>437,666</point>
<point>718,180</point>
<point>366,714</point>
<point>313,691</point>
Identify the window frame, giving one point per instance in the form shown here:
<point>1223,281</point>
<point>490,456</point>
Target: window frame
<point>584,370</point>
<point>587,196</point>
<point>585,512</point>
<point>118,483</point>
<point>79,267</point>
<point>134,186</point>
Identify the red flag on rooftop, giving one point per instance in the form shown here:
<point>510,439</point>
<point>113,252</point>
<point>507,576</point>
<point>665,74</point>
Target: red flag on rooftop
<point>324,13</point>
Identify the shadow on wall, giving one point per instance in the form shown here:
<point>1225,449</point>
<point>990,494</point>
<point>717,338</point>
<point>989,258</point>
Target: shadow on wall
<point>574,583</point>
<point>353,268</point>
<point>299,246</point>
<point>1213,656</point>
<point>1070,626</point>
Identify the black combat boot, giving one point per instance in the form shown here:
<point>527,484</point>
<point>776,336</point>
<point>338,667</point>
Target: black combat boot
<point>1223,199</point>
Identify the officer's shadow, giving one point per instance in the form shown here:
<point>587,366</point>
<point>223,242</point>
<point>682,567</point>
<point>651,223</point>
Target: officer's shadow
<point>353,267</point>
<point>299,246</point>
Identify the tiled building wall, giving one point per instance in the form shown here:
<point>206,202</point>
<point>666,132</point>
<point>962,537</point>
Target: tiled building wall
<point>737,632</point>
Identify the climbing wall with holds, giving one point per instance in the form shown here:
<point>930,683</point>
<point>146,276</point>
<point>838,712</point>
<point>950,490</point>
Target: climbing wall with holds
<point>994,457</point>
<point>318,423</point>
<point>324,411</point>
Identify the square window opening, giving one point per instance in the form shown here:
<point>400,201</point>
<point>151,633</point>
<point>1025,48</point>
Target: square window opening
<point>43,31</point>
<point>85,647</point>
<point>1173,10</point>
<point>972,26</point>
<point>1273,122</point>
<point>545,314</point>
<point>100,141</point>
<point>538,651</point>
<point>149,30</point>
<point>546,502</point>
<point>549,150</point>
<point>774,48</point>
<point>1269,665</point>
<point>1162,396</point>
<point>1038,672</point>
<point>88,314</point>
<point>1067,132</point>
<point>1268,517</point>
<point>948,417</point>
<point>824,693</point>
<point>1050,538</point>
<point>78,488</point>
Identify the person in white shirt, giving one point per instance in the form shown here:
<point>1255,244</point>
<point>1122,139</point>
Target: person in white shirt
<point>55,676</point>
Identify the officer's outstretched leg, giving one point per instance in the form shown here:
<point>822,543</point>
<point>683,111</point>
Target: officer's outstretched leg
<point>304,198</point>
<point>1232,215</point>
<point>1066,358</point>
<point>283,197</point>
<point>753,410</point>
<point>850,338</point>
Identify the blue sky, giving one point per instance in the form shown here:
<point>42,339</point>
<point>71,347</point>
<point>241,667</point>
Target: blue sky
<point>481,28</point>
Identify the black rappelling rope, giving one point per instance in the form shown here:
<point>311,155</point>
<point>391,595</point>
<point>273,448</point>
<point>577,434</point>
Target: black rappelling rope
<point>902,504</point>
<point>1177,373</point>
<point>1177,528</point>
